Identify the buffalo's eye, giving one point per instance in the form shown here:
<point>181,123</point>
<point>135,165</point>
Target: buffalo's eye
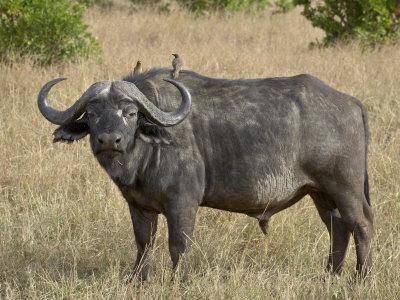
<point>130,114</point>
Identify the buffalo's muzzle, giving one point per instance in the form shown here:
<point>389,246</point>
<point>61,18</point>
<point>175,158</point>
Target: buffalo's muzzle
<point>109,141</point>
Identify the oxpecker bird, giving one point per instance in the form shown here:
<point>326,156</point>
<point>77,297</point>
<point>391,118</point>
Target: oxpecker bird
<point>138,68</point>
<point>177,65</point>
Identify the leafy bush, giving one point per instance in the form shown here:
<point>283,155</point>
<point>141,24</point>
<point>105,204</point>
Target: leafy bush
<point>372,21</point>
<point>46,30</point>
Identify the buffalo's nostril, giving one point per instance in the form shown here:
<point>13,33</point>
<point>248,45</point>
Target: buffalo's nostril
<point>110,141</point>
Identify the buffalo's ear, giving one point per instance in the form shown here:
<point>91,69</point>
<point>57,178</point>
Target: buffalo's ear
<point>72,131</point>
<point>148,131</point>
<point>152,133</point>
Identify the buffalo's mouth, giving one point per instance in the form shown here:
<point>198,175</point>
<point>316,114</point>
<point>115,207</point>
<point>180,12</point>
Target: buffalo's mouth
<point>112,160</point>
<point>109,152</point>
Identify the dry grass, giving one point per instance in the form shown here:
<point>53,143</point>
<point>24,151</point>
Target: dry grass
<point>65,230</point>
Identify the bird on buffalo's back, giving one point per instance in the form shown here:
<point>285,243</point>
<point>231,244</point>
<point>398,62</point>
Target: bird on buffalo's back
<point>177,65</point>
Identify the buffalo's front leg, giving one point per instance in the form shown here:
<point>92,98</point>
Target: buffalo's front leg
<point>180,219</point>
<point>144,227</point>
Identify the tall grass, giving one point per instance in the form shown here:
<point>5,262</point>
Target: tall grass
<point>65,230</point>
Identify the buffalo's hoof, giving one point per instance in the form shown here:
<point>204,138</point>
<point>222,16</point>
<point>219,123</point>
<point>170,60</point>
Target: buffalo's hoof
<point>135,278</point>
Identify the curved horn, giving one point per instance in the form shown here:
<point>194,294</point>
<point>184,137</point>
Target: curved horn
<point>151,111</point>
<point>75,111</point>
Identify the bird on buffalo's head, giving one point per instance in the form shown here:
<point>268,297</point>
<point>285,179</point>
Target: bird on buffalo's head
<point>138,68</point>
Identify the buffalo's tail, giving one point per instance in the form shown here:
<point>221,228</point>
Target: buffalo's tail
<point>366,132</point>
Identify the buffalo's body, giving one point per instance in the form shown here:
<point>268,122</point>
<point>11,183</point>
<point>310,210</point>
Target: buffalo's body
<point>248,146</point>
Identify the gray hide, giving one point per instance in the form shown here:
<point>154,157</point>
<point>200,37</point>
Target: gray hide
<point>248,146</point>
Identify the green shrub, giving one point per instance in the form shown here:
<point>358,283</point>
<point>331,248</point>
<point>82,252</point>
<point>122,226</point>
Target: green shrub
<point>46,30</point>
<point>371,21</point>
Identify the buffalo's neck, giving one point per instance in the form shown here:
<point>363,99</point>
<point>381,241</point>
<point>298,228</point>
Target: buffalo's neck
<point>137,163</point>
<point>144,165</point>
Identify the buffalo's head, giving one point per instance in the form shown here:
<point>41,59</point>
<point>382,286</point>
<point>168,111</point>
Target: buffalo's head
<point>115,114</point>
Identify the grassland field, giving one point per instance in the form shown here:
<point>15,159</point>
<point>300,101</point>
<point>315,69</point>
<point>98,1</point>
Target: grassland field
<point>65,230</point>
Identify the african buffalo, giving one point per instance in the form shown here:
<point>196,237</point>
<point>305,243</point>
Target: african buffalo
<point>249,146</point>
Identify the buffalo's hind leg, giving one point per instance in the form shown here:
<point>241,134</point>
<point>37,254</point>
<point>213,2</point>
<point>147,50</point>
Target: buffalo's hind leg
<point>338,232</point>
<point>363,233</point>
<point>357,214</point>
